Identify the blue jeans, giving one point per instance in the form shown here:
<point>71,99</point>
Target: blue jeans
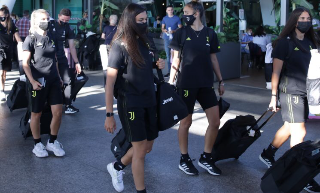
<point>168,51</point>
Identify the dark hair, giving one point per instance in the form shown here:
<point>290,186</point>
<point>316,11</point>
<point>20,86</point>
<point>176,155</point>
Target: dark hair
<point>196,6</point>
<point>259,32</point>
<point>128,31</point>
<point>169,6</point>
<point>289,29</point>
<point>25,12</point>
<point>65,12</point>
<point>6,11</point>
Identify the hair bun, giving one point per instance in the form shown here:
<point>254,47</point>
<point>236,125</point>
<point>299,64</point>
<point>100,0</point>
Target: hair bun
<point>5,7</point>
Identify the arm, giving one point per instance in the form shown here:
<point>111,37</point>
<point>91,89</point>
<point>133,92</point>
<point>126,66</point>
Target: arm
<point>277,67</point>
<point>74,55</point>
<point>216,69</point>
<point>17,36</point>
<point>163,27</point>
<point>110,124</point>
<point>103,36</point>
<point>174,67</point>
<point>25,64</point>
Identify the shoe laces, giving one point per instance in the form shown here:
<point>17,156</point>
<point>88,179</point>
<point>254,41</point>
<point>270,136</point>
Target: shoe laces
<point>120,175</point>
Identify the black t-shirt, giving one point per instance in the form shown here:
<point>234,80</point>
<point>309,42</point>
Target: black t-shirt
<point>295,69</point>
<point>63,34</point>
<point>137,83</point>
<point>109,31</point>
<point>196,68</point>
<point>5,38</point>
<point>43,53</point>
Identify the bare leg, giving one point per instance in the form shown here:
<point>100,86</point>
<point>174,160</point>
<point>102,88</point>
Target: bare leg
<point>213,128</point>
<point>298,132</point>
<point>56,118</point>
<point>3,75</point>
<point>183,133</point>
<point>35,125</point>
<point>127,158</point>
<point>281,136</point>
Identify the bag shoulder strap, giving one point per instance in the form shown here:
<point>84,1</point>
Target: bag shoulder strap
<point>182,41</point>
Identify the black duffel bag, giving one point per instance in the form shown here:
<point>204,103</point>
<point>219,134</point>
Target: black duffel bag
<point>170,107</point>
<point>120,145</point>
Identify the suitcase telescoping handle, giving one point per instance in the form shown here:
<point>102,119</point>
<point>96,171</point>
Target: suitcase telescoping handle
<point>266,121</point>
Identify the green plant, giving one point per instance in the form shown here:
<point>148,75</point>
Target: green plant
<point>162,54</point>
<point>275,30</point>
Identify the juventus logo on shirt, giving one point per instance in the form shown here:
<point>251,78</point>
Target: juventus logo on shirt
<point>186,93</point>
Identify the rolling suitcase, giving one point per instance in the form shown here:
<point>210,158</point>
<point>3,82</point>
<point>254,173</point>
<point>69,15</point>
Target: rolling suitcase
<point>237,135</point>
<point>79,82</point>
<point>294,170</point>
<point>17,97</point>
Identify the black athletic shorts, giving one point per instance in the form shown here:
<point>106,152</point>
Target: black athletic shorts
<point>6,64</point>
<point>51,93</point>
<point>139,123</point>
<point>294,108</point>
<point>205,96</point>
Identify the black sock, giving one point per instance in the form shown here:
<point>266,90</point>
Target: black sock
<point>37,141</point>
<point>52,138</point>
<point>206,155</point>
<point>185,156</point>
<point>142,191</point>
<point>271,150</point>
<point>119,165</point>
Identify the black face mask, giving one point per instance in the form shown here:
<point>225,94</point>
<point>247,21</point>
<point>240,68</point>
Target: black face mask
<point>142,27</point>
<point>62,23</point>
<point>188,19</point>
<point>44,25</point>
<point>304,26</point>
<point>3,18</point>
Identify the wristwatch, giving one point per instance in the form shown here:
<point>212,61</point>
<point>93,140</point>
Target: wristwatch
<point>109,114</point>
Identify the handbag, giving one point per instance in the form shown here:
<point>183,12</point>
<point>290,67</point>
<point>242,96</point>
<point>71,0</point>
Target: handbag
<point>170,107</point>
<point>223,107</point>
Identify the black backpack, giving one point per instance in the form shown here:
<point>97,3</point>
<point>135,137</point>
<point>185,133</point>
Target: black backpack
<point>17,98</point>
<point>120,145</point>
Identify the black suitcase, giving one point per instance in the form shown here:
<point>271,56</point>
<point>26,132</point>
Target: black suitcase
<point>236,136</point>
<point>79,82</point>
<point>294,170</point>
<point>17,97</point>
<point>45,122</point>
<point>120,145</point>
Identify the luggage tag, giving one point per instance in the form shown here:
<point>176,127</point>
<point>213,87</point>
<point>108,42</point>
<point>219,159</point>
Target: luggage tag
<point>251,132</point>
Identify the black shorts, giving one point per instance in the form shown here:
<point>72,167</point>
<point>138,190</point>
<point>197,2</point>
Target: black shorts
<point>139,123</point>
<point>294,108</point>
<point>51,93</point>
<point>205,96</point>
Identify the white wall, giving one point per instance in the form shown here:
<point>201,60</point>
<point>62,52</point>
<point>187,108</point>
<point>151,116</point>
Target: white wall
<point>267,13</point>
<point>8,3</point>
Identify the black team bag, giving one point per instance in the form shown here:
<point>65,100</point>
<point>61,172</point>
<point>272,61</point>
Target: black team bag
<point>294,170</point>
<point>80,80</point>
<point>170,107</point>
<point>17,99</point>
<point>236,135</point>
<point>120,145</point>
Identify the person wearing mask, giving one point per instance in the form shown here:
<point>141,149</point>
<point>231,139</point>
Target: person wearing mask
<point>14,18</point>
<point>195,83</point>
<point>108,33</point>
<point>8,32</point>
<point>170,24</point>
<point>260,38</point>
<point>157,23</point>
<point>65,37</point>
<point>130,53</point>
<point>41,68</point>
<point>245,40</point>
<point>299,33</point>
<point>24,25</point>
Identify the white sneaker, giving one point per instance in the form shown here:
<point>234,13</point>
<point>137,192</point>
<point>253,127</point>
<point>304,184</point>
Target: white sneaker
<point>116,176</point>
<point>56,148</point>
<point>40,150</point>
<point>2,96</point>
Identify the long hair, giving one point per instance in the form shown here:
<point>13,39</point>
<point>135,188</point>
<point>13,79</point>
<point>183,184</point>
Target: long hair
<point>128,32</point>
<point>259,32</point>
<point>6,11</point>
<point>289,29</point>
<point>34,15</point>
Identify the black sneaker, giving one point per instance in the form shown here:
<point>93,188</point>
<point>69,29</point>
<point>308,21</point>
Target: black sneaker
<point>208,164</point>
<point>187,167</point>
<point>312,186</point>
<point>71,110</point>
<point>268,160</point>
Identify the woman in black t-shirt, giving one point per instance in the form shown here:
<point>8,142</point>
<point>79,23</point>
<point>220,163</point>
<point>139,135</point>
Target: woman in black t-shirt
<point>7,31</point>
<point>195,82</point>
<point>291,57</point>
<point>41,68</point>
<point>130,63</point>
